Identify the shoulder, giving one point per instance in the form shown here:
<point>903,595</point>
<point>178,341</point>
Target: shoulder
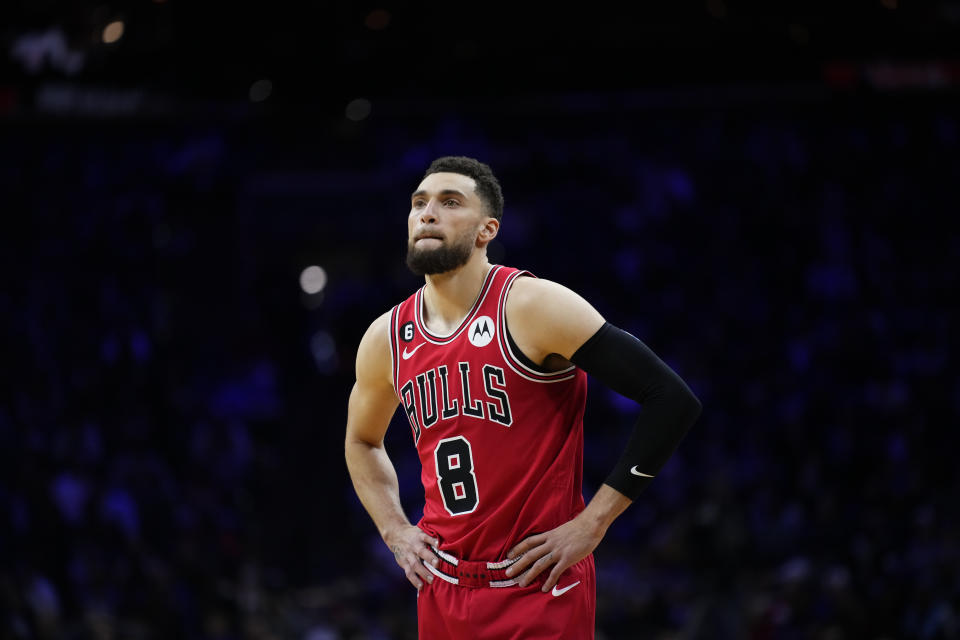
<point>373,354</point>
<point>539,296</point>
<point>548,317</point>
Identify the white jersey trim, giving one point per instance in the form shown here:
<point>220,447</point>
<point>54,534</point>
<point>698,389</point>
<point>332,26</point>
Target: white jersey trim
<point>440,574</point>
<point>395,350</point>
<point>503,564</point>
<point>503,583</point>
<point>446,556</point>
<point>443,340</point>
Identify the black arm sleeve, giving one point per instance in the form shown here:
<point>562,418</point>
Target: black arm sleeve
<point>629,367</point>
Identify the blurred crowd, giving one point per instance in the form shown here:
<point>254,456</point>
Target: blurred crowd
<point>173,403</point>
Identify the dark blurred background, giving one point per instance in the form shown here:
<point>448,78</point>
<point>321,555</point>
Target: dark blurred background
<point>204,207</point>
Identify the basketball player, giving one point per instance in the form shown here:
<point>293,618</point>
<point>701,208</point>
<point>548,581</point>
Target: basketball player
<point>489,364</point>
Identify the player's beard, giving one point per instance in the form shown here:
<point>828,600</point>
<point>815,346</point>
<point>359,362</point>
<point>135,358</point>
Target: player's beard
<point>446,257</point>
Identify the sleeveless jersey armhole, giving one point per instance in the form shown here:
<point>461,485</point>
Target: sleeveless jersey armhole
<point>394,349</point>
<point>520,355</point>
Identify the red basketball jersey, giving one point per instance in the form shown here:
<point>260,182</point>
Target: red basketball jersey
<point>500,443</point>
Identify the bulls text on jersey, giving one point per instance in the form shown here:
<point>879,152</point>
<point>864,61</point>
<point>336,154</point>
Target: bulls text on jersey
<point>438,394</point>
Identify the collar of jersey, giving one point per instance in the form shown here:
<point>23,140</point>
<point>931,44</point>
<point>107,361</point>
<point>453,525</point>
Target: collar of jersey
<point>435,339</point>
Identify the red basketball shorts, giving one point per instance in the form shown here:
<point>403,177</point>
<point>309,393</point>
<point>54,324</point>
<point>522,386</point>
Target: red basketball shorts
<point>448,611</point>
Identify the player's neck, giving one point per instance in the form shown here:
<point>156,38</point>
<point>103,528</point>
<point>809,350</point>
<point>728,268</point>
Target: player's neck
<point>448,297</point>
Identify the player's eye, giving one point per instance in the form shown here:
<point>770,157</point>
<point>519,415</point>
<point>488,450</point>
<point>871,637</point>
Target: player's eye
<point>450,203</point>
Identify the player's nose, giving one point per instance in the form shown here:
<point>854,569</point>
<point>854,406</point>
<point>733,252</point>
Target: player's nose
<point>427,214</point>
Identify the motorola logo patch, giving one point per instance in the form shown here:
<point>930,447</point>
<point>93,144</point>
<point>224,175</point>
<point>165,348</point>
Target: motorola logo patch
<point>481,331</point>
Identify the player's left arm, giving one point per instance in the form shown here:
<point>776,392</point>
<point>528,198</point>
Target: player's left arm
<point>552,324</point>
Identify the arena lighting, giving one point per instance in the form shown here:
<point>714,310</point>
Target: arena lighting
<point>113,32</point>
<point>313,279</point>
<point>37,49</point>
<point>358,109</point>
<point>260,90</point>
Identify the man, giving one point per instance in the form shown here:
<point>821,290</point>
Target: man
<point>489,363</point>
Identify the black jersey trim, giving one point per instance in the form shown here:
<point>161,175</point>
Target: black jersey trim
<point>514,362</point>
<point>435,339</point>
<point>521,356</point>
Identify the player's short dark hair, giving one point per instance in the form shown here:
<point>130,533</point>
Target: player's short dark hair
<point>488,187</point>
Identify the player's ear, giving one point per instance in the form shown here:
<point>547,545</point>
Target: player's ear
<point>488,231</point>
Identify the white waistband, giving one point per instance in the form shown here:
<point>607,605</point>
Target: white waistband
<point>503,564</point>
<point>452,580</point>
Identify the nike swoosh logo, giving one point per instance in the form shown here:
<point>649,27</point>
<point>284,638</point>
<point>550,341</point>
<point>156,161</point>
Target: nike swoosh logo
<point>559,592</point>
<point>634,471</point>
<point>406,355</point>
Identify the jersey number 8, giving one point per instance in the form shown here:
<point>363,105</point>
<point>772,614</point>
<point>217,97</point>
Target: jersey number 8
<point>455,477</point>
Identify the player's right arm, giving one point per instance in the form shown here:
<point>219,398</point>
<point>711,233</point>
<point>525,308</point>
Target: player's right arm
<point>371,407</point>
